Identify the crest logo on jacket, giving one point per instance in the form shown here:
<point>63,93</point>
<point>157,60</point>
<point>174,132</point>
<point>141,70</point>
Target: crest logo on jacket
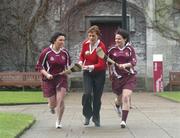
<point>63,58</point>
<point>51,58</point>
<point>127,54</point>
<point>115,54</point>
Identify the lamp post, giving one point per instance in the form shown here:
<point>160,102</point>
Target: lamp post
<point>124,19</point>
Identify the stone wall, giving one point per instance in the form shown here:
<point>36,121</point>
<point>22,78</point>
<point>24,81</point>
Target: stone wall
<point>78,25</point>
<point>71,17</point>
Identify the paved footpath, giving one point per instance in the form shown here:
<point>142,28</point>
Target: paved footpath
<point>151,117</point>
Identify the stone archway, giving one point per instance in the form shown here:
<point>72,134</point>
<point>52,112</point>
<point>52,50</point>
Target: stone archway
<point>81,17</point>
<point>108,26</point>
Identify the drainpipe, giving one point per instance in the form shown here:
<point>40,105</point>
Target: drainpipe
<point>124,20</point>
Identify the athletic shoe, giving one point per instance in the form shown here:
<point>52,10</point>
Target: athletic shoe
<point>58,124</point>
<point>86,122</point>
<point>118,110</point>
<point>52,110</point>
<point>123,124</point>
<point>96,122</point>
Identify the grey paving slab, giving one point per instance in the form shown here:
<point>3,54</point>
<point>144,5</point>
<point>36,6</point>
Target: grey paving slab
<point>151,117</point>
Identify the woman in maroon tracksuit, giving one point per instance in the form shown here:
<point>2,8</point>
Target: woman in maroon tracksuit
<point>53,60</point>
<point>93,76</point>
<point>123,75</point>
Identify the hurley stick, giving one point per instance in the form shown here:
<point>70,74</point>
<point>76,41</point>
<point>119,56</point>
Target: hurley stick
<point>75,68</point>
<point>102,55</point>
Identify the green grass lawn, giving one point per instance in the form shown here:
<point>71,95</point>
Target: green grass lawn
<point>174,96</point>
<point>18,97</point>
<point>12,125</point>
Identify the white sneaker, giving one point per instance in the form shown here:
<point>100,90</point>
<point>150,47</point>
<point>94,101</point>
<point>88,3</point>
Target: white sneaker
<point>123,124</point>
<point>58,124</point>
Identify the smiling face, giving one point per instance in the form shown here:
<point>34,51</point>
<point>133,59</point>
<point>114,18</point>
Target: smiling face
<point>120,41</point>
<point>93,37</point>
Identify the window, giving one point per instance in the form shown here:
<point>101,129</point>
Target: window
<point>176,4</point>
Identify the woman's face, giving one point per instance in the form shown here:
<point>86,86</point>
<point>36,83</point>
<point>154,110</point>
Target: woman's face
<point>59,43</point>
<point>120,41</point>
<point>93,37</point>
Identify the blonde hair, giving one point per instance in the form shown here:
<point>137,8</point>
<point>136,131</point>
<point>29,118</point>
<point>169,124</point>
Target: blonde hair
<point>95,29</point>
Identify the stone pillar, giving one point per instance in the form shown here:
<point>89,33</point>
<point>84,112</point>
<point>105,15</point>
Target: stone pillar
<point>151,43</point>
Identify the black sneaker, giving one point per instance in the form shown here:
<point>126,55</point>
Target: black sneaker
<point>86,122</point>
<point>96,122</point>
<point>52,110</point>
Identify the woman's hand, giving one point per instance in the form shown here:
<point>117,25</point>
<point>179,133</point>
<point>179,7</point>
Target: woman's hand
<point>49,76</point>
<point>124,66</point>
<point>88,67</point>
<point>85,67</point>
<point>121,66</point>
<point>46,74</point>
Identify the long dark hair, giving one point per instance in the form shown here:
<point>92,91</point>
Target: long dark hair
<point>55,36</point>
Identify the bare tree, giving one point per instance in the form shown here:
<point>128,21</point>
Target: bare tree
<point>166,18</point>
<point>18,19</point>
<point>38,12</point>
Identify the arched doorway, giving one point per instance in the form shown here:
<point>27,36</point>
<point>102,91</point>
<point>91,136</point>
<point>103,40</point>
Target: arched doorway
<point>108,26</point>
<point>107,32</point>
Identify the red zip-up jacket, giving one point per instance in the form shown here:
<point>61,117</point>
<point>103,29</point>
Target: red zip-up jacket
<point>92,58</point>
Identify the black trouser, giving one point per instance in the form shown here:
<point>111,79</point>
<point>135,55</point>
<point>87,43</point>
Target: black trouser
<point>93,89</point>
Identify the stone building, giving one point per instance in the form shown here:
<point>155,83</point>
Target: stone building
<point>73,17</point>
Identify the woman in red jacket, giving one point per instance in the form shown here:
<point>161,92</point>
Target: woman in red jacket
<point>94,71</point>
